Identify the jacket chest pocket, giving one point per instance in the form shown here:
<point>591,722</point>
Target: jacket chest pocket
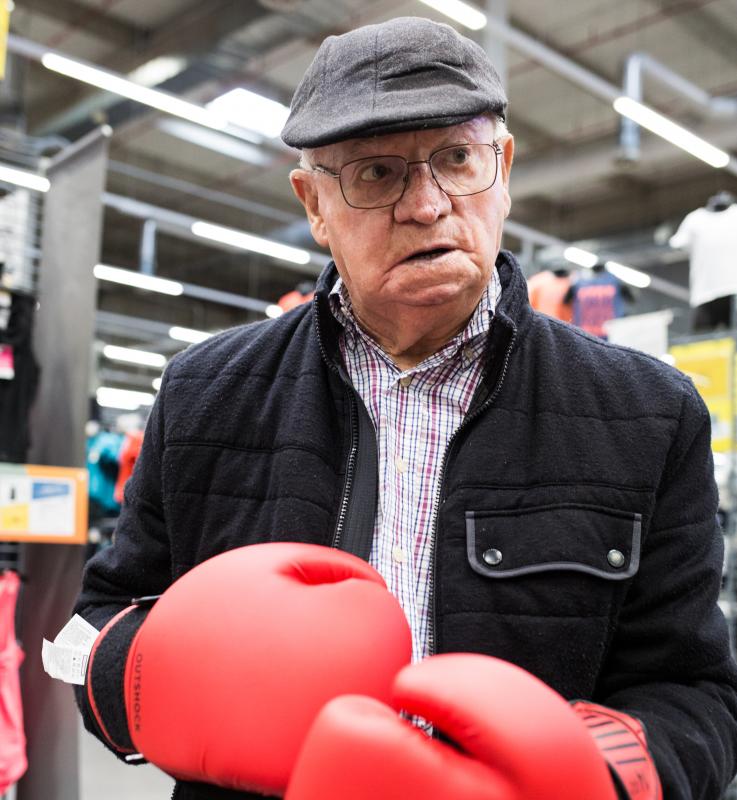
<point>565,559</point>
<point>574,538</point>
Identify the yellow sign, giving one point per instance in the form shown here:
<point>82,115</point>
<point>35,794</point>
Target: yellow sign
<point>4,24</point>
<point>709,364</point>
<point>43,504</point>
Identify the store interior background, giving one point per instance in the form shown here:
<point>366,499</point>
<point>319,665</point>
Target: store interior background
<point>577,181</point>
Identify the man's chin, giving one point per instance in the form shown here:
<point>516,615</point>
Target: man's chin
<point>431,296</point>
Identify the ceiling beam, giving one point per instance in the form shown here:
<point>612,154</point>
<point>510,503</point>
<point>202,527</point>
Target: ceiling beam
<point>192,32</point>
<point>702,25</point>
<point>583,165</point>
<point>92,21</point>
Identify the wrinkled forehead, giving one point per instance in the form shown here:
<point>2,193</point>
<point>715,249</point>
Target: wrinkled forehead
<point>407,143</point>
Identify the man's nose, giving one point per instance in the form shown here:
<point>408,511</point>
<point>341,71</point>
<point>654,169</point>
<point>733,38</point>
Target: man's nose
<point>423,200</point>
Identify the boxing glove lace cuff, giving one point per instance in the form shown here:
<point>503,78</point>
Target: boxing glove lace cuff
<point>105,677</point>
<point>622,742</point>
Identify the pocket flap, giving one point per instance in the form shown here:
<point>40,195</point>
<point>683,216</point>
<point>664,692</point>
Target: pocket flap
<point>599,541</point>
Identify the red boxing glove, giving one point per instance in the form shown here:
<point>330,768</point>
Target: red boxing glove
<point>234,661</point>
<point>516,738</point>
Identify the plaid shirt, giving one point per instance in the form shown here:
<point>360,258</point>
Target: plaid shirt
<point>415,413</point>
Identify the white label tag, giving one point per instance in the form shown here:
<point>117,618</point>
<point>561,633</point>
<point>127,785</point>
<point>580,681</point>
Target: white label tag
<point>77,633</point>
<point>63,663</point>
<point>67,657</point>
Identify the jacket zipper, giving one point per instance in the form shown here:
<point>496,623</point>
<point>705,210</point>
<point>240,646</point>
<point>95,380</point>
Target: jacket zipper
<point>354,434</point>
<point>441,493</point>
<point>348,475</point>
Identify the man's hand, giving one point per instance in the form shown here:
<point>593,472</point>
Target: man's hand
<point>511,738</point>
<point>233,662</point>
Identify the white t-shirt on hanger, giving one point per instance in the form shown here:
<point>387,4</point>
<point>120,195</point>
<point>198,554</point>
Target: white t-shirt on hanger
<point>711,239</point>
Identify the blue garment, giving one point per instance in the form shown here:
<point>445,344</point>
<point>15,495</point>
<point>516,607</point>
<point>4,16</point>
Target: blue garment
<point>596,300</point>
<point>102,464</point>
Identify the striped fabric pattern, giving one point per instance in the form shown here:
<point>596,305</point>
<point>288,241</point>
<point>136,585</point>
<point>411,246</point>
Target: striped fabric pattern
<point>415,413</point>
<point>622,742</point>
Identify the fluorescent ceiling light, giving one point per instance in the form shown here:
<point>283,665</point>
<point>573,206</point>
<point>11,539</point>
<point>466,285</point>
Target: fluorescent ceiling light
<point>130,278</point>
<point>158,70</point>
<point>583,258</point>
<point>251,111</point>
<point>110,82</point>
<point>246,241</point>
<point>188,335</point>
<point>28,180</point>
<point>628,275</point>
<point>123,399</point>
<point>156,383</point>
<point>668,129</point>
<point>461,12</point>
<point>131,356</point>
<point>274,311</point>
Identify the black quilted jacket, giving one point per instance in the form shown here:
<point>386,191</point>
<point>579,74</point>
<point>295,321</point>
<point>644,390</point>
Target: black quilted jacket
<point>573,448</point>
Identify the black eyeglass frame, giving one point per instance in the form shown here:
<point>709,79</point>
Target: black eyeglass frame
<point>331,174</point>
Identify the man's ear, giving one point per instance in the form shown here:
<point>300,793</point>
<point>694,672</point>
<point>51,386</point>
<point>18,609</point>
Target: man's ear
<point>304,187</point>
<point>507,158</point>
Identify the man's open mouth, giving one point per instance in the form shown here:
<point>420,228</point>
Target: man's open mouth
<point>428,255</point>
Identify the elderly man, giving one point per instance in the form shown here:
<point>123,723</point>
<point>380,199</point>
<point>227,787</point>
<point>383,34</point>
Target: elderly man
<point>526,491</point>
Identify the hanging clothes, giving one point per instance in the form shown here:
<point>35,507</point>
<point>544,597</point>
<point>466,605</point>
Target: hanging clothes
<point>127,460</point>
<point>302,293</point>
<point>710,237</point>
<point>103,451</point>
<point>547,291</point>
<point>18,380</point>
<point>596,300</point>
<point>13,761</point>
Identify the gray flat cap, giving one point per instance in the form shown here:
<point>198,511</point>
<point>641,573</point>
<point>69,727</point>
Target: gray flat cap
<point>405,74</point>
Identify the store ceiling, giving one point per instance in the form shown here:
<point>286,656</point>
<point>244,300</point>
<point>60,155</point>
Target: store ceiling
<point>569,180</point>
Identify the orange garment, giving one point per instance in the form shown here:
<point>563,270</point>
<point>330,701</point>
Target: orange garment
<point>126,460</point>
<point>547,290</point>
<point>13,761</point>
<point>293,299</point>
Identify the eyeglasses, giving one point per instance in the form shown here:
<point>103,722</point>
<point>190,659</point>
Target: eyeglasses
<point>380,181</point>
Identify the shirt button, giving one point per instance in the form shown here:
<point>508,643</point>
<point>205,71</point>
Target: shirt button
<point>405,381</point>
<point>468,352</point>
<point>400,464</point>
<point>615,558</point>
<point>399,555</point>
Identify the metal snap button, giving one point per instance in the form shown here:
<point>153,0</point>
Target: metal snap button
<point>492,557</point>
<point>615,558</point>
